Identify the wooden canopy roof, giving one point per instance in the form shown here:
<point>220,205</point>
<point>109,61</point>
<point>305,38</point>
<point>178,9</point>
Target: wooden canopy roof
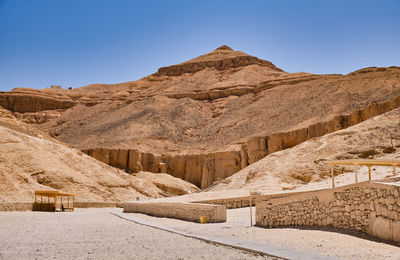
<point>363,162</point>
<point>51,193</point>
<point>366,162</point>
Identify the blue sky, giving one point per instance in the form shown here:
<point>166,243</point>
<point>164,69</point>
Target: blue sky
<point>78,42</point>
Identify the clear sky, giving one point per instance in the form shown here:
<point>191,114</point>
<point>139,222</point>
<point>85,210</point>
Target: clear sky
<point>79,42</point>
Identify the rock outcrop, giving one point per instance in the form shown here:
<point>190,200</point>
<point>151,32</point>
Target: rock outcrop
<point>26,102</point>
<point>201,170</point>
<point>204,170</point>
<point>216,60</point>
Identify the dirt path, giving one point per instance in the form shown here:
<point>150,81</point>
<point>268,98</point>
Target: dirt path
<point>317,242</point>
<point>97,234</point>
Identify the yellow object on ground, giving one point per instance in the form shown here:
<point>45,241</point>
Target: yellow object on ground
<point>203,219</point>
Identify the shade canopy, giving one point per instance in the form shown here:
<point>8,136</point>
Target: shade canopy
<point>363,162</point>
<point>51,193</point>
<point>366,162</point>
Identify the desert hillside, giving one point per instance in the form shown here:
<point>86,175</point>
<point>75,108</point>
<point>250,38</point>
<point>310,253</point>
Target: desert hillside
<point>31,160</point>
<point>304,166</point>
<point>206,118</point>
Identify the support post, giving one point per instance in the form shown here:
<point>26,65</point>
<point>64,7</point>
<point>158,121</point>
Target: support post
<point>369,173</point>
<point>251,212</point>
<point>355,177</point>
<point>333,177</point>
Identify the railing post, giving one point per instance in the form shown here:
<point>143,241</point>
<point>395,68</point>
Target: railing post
<point>369,173</point>
<point>251,212</point>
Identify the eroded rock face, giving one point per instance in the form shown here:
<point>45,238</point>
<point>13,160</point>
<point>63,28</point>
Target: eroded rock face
<point>234,62</point>
<point>204,170</point>
<point>199,169</point>
<point>24,102</point>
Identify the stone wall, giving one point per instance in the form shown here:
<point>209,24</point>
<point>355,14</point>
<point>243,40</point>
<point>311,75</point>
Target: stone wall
<point>203,170</point>
<point>16,206</point>
<point>373,208</point>
<point>28,206</point>
<point>244,201</point>
<point>185,211</point>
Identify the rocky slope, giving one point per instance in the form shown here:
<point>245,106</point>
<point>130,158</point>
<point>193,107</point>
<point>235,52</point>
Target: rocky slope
<point>206,118</point>
<point>30,160</point>
<point>304,166</point>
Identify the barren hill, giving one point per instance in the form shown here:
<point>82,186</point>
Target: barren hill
<point>304,166</point>
<point>206,118</point>
<point>30,160</point>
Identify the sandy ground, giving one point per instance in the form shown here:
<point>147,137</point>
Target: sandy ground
<point>97,234</point>
<point>318,242</point>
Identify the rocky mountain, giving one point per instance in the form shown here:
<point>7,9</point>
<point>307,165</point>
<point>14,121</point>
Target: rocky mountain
<point>30,160</point>
<point>205,119</point>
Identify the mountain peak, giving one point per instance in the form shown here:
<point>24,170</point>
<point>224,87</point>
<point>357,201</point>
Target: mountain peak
<point>221,58</point>
<point>224,47</point>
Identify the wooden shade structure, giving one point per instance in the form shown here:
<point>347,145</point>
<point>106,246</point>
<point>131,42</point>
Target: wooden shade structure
<point>52,200</point>
<point>363,162</point>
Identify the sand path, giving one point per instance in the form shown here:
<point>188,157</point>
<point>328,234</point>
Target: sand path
<point>97,234</point>
<point>317,242</point>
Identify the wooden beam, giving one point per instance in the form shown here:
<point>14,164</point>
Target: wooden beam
<point>333,177</point>
<point>251,212</point>
<point>369,173</point>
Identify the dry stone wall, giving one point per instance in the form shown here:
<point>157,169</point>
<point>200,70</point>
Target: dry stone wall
<point>28,206</point>
<point>373,208</point>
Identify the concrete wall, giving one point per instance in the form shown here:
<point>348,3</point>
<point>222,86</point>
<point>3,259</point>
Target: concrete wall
<point>203,170</point>
<point>185,211</point>
<point>373,208</point>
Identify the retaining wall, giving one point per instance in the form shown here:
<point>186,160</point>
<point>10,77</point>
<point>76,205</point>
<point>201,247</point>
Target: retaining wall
<point>185,211</point>
<point>373,208</point>
<point>28,206</point>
